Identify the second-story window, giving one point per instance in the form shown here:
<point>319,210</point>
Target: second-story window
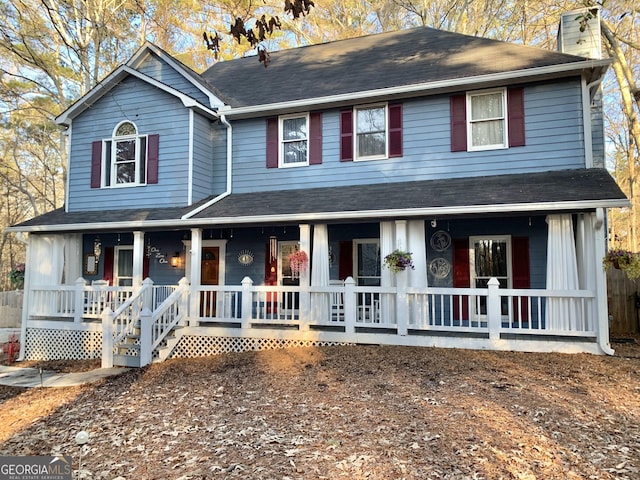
<point>487,120</point>
<point>125,156</point>
<point>371,132</point>
<point>125,159</point>
<point>294,140</point>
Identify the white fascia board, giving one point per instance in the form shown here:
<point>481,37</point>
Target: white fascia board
<point>140,55</point>
<point>552,71</point>
<point>114,79</point>
<point>429,212</point>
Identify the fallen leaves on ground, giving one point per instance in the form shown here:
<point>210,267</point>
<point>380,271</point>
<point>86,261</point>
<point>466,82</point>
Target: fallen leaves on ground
<point>358,412</point>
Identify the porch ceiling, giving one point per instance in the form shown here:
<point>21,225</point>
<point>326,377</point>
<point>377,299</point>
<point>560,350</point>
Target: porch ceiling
<point>498,194</point>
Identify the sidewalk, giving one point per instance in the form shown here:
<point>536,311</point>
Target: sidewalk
<point>30,377</point>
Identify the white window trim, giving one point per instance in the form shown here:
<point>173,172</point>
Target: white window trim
<point>472,267</point>
<point>505,133</point>
<point>281,140</point>
<point>363,241</point>
<point>109,151</point>
<point>356,156</point>
<point>116,262</point>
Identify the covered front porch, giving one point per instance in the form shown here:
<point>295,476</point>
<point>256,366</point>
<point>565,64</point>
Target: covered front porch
<point>343,296</point>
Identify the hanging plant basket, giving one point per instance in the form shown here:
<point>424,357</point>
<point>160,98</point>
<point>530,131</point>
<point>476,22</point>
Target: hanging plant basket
<point>398,261</point>
<point>299,261</point>
<point>628,262</point>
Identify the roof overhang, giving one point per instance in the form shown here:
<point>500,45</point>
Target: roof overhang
<point>499,195</point>
<point>591,70</point>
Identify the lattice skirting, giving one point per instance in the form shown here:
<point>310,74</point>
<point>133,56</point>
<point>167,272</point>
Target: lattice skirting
<point>191,346</point>
<point>50,344</point>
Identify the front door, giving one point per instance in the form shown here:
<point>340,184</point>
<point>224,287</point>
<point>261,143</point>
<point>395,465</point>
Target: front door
<point>209,275</point>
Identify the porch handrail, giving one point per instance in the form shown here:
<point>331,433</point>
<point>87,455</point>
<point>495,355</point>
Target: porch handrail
<point>126,316</point>
<point>156,325</point>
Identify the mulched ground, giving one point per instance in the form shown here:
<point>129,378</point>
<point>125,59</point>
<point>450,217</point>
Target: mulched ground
<point>361,412</point>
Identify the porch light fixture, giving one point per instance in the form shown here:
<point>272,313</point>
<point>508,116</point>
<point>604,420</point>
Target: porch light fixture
<point>97,248</point>
<point>175,260</point>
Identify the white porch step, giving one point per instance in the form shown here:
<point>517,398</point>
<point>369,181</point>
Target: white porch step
<point>126,361</point>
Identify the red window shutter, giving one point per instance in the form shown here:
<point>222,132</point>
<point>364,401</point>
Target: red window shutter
<point>458,107</point>
<point>461,276</point>
<point>520,269</point>
<point>107,272</point>
<point>515,107</point>
<point>315,138</point>
<point>272,142</point>
<point>346,135</point>
<point>395,130</point>
<point>345,260</point>
<point>153,150</point>
<point>96,163</point>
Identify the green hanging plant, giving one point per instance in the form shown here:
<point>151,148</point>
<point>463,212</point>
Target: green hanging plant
<point>398,261</point>
<point>628,262</point>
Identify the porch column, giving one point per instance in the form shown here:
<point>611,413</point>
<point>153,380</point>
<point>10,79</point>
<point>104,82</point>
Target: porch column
<point>138,258</point>
<point>305,304</point>
<point>402,282</point>
<point>195,259</point>
<point>401,234</point>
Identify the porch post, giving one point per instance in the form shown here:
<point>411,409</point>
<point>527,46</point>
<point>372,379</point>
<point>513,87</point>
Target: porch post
<point>402,282</point>
<point>305,303</point>
<point>78,310</point>
<point>138,258</point>
<point>601,308</point>
<point>107,338</point>
<point>195,257</point>
<point>350,310</point>
<point>146,340</point>
<point>494,310</point>
<point>247,302</point>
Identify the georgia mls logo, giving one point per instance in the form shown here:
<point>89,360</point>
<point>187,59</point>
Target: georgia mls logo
<point>36,468</point>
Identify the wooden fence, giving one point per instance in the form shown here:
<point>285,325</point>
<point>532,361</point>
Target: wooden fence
<point>623,297</point>
<point>11,309</point>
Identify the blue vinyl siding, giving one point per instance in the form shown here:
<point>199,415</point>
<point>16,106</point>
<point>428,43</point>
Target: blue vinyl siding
<point>154,112</point>
<point>158,69</point>
<point>554,141</point>
<point>209,161</point>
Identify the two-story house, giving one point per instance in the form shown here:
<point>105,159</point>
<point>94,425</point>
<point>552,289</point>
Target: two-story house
<point>188,194</point>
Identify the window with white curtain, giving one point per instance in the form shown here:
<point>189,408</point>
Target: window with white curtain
<point>125,156</point>
<point>487,120</point>
<point>371,132</point>
<point>294,140</point>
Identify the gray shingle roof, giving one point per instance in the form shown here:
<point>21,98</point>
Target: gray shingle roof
<point>590,187</point>
<point>400,58</point>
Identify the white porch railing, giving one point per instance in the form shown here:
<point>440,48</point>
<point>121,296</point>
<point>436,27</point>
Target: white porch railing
<point>491,311</point>
<point>82,302</point>
<point>344,311</point>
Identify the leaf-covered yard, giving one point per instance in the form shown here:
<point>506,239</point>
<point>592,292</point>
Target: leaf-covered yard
<point>345,412</point>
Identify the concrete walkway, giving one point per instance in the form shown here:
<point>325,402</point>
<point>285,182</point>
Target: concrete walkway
<point>31,377</point>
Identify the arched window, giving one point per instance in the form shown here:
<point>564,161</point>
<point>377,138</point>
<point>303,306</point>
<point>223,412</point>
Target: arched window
<point>126,156</point>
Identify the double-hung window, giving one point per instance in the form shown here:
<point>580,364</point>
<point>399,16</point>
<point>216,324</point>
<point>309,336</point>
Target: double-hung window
<point>125,157</point>
<point>294,140</point>
<point>487,120</point>
<point>371,132</point>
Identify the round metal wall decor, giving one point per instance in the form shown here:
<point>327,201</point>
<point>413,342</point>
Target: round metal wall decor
<point>440,267</point>
<point>245,257</point>
<point>440,241</point>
